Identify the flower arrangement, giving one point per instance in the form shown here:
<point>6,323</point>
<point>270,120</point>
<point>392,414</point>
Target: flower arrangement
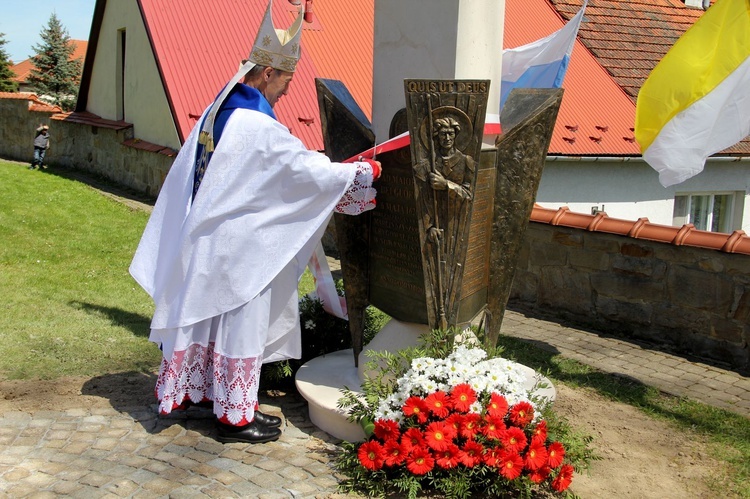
<point>463,426</point>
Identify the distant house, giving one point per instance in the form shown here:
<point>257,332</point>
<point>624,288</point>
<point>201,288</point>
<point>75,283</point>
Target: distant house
<point>23,68</point>
<point>594,163</point>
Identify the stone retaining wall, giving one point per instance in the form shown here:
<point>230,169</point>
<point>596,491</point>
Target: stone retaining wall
<point>111,153</point>
<point>18,124</point>
<point>107,149</point>
<point>694,299</point>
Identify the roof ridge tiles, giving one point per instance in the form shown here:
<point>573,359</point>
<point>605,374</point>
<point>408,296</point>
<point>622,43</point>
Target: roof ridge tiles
<point>687,235</point>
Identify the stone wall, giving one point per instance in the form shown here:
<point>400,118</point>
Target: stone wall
<point>695,300</point>
<point>84,142</point>
<point>111,153</point>
<point>18,124</point>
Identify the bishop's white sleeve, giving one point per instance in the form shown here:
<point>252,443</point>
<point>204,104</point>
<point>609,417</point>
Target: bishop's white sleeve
<point>360,196</point>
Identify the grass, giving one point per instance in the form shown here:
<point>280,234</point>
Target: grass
<point>727,432</point>
<point>69,305</point>
<point>70,308</point>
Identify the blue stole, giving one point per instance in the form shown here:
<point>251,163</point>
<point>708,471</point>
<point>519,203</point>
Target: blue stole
<point>241,97</point>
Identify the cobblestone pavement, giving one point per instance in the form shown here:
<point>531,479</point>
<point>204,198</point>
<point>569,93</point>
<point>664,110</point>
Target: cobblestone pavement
<point>669,373</point>
<point>133,452</point>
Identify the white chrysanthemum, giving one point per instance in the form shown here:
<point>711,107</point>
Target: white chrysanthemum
<point>445,387</point>
<point>428,386</point>
<point>478,384</point>
<point>433,371</point>
<point>396,416</point>
<point>419,364</point>
<point>475,408</point>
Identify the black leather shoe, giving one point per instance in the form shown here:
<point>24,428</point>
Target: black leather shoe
<point>267,420</point>
<point>254,433</point>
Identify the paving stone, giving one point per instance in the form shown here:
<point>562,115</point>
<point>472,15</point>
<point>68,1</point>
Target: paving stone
<point>142,476</point>
<point>218,491</point>
<point>272,495</point>
<point>187,492</point>
<point>246,489</point>
<point>293,473</point>
<point>16,475</point>
<point>65,488</point>
<point>159,485</point>
<point>270,465</point>
<point>95,479</point>
<point>266,480</point>
<point>226,477</point>
<point>39,480</point>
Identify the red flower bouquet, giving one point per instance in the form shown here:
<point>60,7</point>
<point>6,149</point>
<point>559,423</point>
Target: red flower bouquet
<point>464,438</point>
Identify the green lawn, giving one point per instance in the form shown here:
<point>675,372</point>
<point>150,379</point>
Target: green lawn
<point>69,305</point>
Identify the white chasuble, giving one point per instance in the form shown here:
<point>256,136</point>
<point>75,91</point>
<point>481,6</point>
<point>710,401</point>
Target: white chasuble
<point>223,269</point>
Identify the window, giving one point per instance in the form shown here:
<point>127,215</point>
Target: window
<point>712,212</point>
<point>120,75</point>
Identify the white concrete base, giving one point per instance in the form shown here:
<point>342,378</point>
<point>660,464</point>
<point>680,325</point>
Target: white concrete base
<point>321,380</point>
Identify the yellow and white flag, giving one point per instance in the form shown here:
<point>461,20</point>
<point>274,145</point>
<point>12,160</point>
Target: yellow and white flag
<point>696,101</point>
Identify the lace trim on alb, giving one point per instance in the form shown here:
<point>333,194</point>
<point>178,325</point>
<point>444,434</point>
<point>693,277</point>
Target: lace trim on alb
<point>199,374</point>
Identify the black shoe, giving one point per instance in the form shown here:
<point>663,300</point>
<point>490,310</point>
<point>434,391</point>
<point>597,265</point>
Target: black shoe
<point>267,420</point>
<point>254,433</point>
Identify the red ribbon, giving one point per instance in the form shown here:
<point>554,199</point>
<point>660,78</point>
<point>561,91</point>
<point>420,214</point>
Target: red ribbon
<point>403,140</point>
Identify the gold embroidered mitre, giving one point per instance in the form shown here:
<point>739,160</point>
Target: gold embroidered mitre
<point>273,47</point>
<point>277,48</point>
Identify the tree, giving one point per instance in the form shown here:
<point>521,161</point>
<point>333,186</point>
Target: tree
<point>55,77</point>
<point>6,74</point>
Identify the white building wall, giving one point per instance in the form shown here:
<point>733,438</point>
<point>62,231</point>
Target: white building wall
<point>433,39</point>
<point>630,190</point>
<point>146,105</point>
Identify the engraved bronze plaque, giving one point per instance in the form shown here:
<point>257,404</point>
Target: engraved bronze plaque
<point>396,279</point>
<point>446,124</point>
<point>528,119</point>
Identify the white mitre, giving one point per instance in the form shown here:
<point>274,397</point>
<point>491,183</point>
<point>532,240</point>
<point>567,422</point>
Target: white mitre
<point>276,48</point>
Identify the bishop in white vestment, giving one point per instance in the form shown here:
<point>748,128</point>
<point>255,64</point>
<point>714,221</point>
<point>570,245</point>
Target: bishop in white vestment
<point>241,211</point>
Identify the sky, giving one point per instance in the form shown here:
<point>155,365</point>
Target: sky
<point>22,22</point>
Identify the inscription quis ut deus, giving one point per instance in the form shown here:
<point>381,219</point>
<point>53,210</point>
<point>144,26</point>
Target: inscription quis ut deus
<point>443,86</point>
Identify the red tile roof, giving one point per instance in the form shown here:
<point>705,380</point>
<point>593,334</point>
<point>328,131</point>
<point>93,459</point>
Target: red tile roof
<point>35,104</point>
<point>585,127</point>
<point>23,68</point>
<point>197,54</point>
<point>630,38</point>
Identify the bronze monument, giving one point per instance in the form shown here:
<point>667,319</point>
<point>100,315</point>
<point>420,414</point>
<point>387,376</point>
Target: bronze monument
<point>441,246</point>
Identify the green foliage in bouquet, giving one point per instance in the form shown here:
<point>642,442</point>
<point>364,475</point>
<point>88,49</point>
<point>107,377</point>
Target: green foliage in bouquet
<point>448,418</point>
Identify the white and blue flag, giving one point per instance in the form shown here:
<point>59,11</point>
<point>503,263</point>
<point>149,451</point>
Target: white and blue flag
<point>540,64</point>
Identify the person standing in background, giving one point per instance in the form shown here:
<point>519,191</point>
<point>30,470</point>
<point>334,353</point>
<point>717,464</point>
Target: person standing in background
<point>41,144</point>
